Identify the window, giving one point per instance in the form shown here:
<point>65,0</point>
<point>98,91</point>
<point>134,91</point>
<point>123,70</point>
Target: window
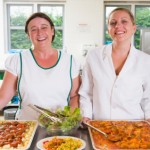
<point>17,15</point>
<point>56,14</point>
<point>142,16</point>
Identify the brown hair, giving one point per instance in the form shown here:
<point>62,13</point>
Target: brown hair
<point>41,15</point>
<point>126,10</point>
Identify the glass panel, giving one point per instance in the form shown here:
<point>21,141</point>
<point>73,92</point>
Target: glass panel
<point>57,43</point>
<point>142,20</point>
<point>108,9</point>
<point>19,40</point>
<point>19,14</point>
<point>55,13</point>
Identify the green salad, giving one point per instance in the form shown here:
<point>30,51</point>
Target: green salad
<point>70,119</point>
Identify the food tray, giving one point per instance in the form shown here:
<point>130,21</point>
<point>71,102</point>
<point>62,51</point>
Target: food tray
<point>16,131</point>
<point>134,134</point>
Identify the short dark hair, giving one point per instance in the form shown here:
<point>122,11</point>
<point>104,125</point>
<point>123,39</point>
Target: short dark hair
<point>40,15</point>
<point>125,10</point>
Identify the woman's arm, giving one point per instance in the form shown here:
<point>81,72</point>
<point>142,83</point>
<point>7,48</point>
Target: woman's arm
<point>74,96</point>
<point>8,88</point>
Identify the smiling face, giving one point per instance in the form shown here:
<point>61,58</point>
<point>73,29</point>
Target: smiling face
<point>40,32</point>
<point>120,26</point>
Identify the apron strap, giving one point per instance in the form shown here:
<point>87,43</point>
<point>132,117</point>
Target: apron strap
<point>68,99</point>
<point>20,98</point>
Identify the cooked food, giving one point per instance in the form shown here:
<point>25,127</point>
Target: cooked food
<point>62,144</point>
<point>16,134</point>
<point>128,134</point>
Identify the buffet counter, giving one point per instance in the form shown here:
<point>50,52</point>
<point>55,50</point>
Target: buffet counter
<point>81,133</point>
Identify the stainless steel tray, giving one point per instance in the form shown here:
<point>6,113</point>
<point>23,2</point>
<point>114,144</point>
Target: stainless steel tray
<point>105,147</point>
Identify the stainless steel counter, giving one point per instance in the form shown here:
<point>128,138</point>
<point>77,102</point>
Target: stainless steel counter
<point>81,133</point>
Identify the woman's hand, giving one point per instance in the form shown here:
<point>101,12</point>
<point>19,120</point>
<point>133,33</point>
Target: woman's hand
<point>148,120</point>
<point>84,120</point>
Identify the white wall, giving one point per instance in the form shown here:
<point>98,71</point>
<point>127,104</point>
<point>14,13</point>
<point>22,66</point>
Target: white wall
<point>83,25</point>
<point>78,12</point>
<point>1,28</point>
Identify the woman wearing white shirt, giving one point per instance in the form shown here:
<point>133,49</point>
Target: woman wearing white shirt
<point>43,76</point>
<point>116,77</point>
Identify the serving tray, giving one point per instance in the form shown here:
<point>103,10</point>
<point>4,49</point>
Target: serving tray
<point>134,134</point>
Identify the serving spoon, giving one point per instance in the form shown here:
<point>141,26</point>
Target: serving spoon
<point>96,129</point>
<point>112,138</point>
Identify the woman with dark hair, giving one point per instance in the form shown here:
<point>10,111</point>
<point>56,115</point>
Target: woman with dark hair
<point>116,77</point>
<point>43,75</point>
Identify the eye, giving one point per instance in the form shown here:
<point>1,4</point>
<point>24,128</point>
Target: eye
<point>124,21</point>
<point>44,27</point>
<point>113,23</point>
<point>33,30</point>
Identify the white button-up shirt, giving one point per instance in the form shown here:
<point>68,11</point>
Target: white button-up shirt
<point>107,96</point>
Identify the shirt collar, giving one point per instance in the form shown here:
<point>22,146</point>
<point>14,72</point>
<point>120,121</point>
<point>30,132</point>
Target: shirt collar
<point>107,51</point>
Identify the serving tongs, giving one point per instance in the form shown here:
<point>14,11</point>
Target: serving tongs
<point>49,112</point>
<point>42,111</point>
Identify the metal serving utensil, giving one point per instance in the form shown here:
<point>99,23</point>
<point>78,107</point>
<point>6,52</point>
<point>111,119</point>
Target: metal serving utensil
<point>112,138</point>
<point>96,129</point>
<point>40,110</point>
<point>39,107</point>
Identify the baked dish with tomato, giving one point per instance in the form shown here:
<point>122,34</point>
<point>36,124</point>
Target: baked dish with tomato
<point>121,134</point>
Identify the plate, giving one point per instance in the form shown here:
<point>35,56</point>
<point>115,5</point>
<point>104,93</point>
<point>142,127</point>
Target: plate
<point>40,143</point>
<point>18,124</point>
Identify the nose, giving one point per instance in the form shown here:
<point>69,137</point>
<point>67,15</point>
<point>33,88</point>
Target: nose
<point>118,24</point>
<point>39,31</point>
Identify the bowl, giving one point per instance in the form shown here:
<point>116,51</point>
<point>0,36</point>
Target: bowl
<point>68,126</point>
<point>53,131</point>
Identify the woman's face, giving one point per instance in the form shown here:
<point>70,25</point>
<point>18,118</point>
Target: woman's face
<point>40,32</point>
<point>120,26</point>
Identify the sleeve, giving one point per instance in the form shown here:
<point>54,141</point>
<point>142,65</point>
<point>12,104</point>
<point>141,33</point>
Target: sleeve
<point>85,91</point>
<point>12,64</point>
<point>76,67</point>
<point>145,103</point>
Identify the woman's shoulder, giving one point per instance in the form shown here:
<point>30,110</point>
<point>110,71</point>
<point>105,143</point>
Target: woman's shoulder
<point>26,52</point>
<point>70,57</point>
<point>142,57</point>
<point>63,53</point>
<point>15,57</point>
<point>98,51</point>
<point>66,55</point>
<point>12,57</point>
<point>142,54</point>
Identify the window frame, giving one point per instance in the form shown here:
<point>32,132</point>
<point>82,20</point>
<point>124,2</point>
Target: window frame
<point>35,8</point>
<point>9,27</point>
